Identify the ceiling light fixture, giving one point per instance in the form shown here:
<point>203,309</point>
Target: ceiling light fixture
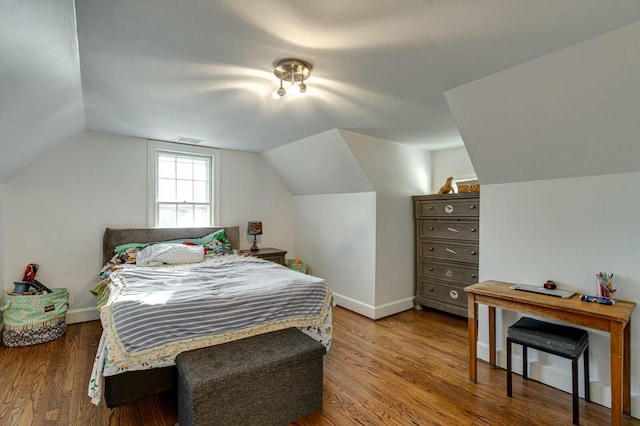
<point>295,71</point>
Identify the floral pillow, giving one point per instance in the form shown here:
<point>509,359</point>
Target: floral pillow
<point>218,245</point>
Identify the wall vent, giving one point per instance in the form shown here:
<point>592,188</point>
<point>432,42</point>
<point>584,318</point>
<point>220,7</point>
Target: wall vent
<point>182,139</point>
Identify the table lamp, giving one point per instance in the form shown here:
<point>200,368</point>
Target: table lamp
<point>254,228</point>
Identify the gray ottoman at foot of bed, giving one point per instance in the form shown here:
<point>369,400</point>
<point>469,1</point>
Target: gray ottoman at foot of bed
<point>269,379</point>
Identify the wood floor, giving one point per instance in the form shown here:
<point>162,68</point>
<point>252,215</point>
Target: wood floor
<point>408,369</point>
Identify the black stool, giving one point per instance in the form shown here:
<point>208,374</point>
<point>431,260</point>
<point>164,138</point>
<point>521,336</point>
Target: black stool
<point>560,340</point>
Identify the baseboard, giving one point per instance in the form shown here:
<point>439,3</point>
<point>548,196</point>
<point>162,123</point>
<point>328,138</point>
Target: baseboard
<point>393,307</point>
<point>373,312</point>
<point>82,315</point>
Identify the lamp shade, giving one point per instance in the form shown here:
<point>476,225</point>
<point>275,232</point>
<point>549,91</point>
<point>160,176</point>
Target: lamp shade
<point>254,228</point>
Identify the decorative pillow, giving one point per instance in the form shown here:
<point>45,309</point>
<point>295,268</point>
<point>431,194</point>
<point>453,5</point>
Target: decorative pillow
<point>169,254</point>
<point>112,265</point>
<point>218,245</point>
<point>127,252</point>
<point>202,241</point>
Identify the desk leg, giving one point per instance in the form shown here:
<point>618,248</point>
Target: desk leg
<point>617,373</point>
<point>473,336</point>
<point>626,371</point>
<point>492,336</point>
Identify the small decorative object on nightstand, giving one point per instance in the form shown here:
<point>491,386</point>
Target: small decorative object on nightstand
<point>254,228</point>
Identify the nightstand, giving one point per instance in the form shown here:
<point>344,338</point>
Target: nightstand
<point>269,253</point>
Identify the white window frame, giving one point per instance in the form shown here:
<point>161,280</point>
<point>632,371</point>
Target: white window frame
<point>153,146</point>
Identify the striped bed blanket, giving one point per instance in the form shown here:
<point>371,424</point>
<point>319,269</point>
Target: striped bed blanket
<point>154,313</point>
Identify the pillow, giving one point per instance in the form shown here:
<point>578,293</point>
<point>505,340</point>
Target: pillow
<point>202,241</point>
<point>114,264</point>
<point>127,252</point>
<point>169,254</point>
<point>218,245</point>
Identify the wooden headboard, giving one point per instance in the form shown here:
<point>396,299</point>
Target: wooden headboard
<point>114,237</point>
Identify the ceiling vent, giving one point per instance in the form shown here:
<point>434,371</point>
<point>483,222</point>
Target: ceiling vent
<point>182,139</point>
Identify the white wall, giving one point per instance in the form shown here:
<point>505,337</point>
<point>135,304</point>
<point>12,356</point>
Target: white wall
<point>2,285</point>
<point>250,190</point>
<point>396,172</point>
<point>335,235</point>
<point>349,163</point>
<point>566,230</point>
<point>57,208</point>
<point>450,162</point>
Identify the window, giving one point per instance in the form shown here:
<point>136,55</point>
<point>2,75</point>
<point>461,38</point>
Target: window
<point>181,185</point>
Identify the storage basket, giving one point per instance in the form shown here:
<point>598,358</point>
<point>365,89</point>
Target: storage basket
<point>300,267</point>
<point>34,318</point>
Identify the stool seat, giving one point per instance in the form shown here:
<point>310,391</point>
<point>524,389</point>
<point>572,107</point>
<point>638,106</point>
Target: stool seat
<point>561,340</point>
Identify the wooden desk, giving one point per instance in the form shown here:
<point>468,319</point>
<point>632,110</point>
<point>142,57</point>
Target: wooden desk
<point>614,319</point>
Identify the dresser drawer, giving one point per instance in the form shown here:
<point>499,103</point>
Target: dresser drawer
<point>441,292</point>
<point>271,254</point>
<point>463,207</point>
<point>274,258</point>
<point>447,250</point>
<point>450,272</point>
<point>448,229</point>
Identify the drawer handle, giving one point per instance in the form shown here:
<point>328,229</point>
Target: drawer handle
<point>473,229</point>
<point>472,206</point>
<point>431,289</point>
<point>453,252</point>
<point>472,253</point>
<point>431,269</point>
<point>449,273</point>
<point>430,248</point>
<point>430,207</point>
<point>452,229</point>
<point>431,228</point>
<point>474,276</point>
<point>453,294</point>
<point>448,209</point>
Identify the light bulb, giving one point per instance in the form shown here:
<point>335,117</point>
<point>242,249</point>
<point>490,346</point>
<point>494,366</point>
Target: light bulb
<point>294,90</point>
<point>279,92</point>
<point>302,88</point>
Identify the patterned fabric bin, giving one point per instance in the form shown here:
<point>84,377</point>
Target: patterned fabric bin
<point>300,267</point>
<point>35,318</point>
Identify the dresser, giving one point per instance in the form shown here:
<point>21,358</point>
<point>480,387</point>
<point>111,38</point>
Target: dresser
<point>447,242</point>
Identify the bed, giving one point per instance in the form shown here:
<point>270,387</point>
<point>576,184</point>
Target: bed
<point>150,314</point>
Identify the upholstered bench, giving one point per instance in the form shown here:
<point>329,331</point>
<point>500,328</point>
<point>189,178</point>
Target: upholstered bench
<point>269,379</point>
<point>556,339</point>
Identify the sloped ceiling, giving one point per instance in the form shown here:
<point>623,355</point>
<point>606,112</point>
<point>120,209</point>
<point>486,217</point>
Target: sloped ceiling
<point>203,69</point>
<point>339,161</point>
<point>319,164</point>
<point>574,112</point>
<point>41,102</point>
